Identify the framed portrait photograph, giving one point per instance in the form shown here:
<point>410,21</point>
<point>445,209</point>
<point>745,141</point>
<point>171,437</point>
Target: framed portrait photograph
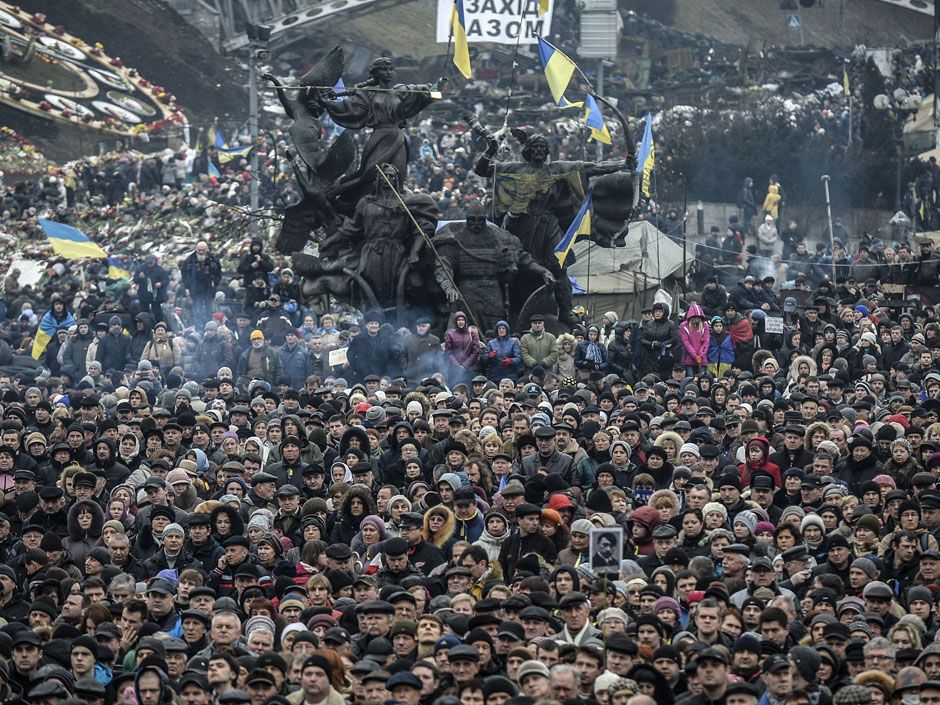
<point>606,549</point>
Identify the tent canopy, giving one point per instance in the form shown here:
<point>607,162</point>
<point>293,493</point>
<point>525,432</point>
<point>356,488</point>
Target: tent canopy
<point>642,263</point>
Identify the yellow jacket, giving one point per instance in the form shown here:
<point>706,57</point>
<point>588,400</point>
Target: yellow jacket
<point>772,200</point>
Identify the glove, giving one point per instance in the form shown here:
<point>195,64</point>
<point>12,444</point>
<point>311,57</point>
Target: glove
<point>492,355</point>
<point>507,361</point>
<point>698,359</point>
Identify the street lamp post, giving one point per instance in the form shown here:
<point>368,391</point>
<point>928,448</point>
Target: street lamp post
<point>258,37</point>
<point>901,105</point>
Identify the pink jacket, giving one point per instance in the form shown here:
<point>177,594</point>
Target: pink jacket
<point>462,346</point>
<point>694,338</point>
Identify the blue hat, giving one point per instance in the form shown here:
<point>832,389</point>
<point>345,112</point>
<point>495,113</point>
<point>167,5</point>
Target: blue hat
<point>747,642</point>
<point>758,313</point>
<point>446,642</point>
<point>404,678</point>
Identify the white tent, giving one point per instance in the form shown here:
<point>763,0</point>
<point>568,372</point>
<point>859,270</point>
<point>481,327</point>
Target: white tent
<point>611,276</point>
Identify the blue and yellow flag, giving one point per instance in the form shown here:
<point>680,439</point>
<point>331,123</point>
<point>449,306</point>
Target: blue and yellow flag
<point>594,119</point>
<point>646,157</point>
<point>458,25</point>
<point>558,70</point>
<point>70,242</point>
<point>117,270</point>
<point>45,333</point>
<point>214,171</point>
<point>226,153</point>
<point>581,225</point>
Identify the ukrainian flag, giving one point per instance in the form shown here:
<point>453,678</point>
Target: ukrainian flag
<point>594,119</point>
<point>117,270</point>
<point>226,153</point>
<point>581,225</point>
<point>458,26</point>
<point>45,333</point>
<point>646,157</point>
<point>70,242</point>
<point>214,171</point>
<point>558,70</point>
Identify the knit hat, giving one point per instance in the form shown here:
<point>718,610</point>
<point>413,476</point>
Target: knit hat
<point>807,662</point>
<point>375,521</point>
<point>867,566</point>
<point>748,519</point>
<point>666,603</point>
<point>400,498</point>
<point>113,524</point>
<point>812,520</point>
<point>885,479</point>
<point>174,528</point>
<point>259,521</point>
<point>764,527</point>
<point>690,448</point>
<point>715,507</point>
<point>748,641</point>
<point>868,521</point>
<point>798,512</point>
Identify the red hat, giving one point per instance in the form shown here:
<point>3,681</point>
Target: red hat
<point>362,407</point>
<point>559,501</point>
<point>901,419</point>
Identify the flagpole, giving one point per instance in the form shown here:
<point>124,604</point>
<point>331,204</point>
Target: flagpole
<point>450,39</point>
<point>850,120</point>
<point>515,62</point>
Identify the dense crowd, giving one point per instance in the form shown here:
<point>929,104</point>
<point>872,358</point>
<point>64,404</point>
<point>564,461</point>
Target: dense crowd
<point>218,491</point>
<point>215,493</point>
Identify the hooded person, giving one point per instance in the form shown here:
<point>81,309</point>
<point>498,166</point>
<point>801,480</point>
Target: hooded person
<point>502,356</point>
<point>720,347</point>
<point>495,532</point>
<point>641,524</point>
<point>85,523</point>
<point>757,457</point>
<point>151,684</point>
<point>590,355</point>
<point>462,347</point>
<point>694,336</point>
<point>564,365</point>
<point>106,459</point>
<point>660,341</point>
